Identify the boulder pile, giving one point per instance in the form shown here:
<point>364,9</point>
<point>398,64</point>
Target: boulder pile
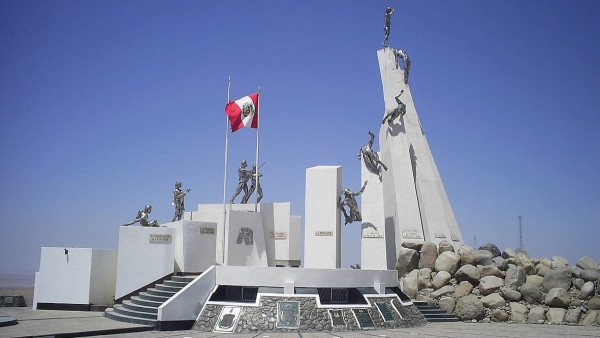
<point>487,284</point>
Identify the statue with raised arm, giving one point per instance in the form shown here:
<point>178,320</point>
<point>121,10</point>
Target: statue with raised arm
<point>371,158</point>
<point>243,177</point>
<point>399,111</point>
<point>142,218</point>
<point>349,199</point>
<point>400,54</point>
<point>254,185</point>
<point>178,201</point>
<point>386,26</point>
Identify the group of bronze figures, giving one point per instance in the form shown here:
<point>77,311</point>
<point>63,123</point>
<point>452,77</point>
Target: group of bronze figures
<point>177,201</point>
<point>245,175</point>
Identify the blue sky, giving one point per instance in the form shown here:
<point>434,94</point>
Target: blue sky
<point>105,104</point>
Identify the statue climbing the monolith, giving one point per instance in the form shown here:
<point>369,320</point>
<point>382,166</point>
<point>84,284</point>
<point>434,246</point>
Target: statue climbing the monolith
<point>371,158</point>
<point>349,200</point>
<point>386,26</point>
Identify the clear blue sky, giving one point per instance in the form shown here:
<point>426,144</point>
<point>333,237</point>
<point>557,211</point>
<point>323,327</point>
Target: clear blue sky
<point>105,104</point>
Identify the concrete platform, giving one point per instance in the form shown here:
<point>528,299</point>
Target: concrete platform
<point>50,323</point>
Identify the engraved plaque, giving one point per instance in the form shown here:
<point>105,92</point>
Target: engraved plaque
<point>160,239</point>
<point>411,234</point>
<point>323,233</point>
<point>228,319</point>
<point>401,311</point>
<point>385,312</point>
<point>288,315</point>
<point>279,235</point>
<point>363,318</point>
<point>372,235</point>
<point>439,235</point>
<point>454,238</point>
<point>337,318</point>
<point>207,231</point>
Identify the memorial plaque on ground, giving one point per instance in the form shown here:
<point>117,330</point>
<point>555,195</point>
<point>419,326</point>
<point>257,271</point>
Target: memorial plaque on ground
<point>363,318</point>
<point>401,311</point>
<point>228,319</point>
<point>288,315</point>
<point>337,318</point>
<point>385,312</point>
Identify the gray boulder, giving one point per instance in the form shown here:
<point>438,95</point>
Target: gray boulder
<point>441,279</point>
<point>462,289</point>
<point>557,278</point>
<point>591,318</point>
<point>518,312</point>
<point>531,294</point>
<point>537,315</point>
<point>525,261</point>
<point>424,278</point>
<point>491,248</point>
<point>493,301</point>
<point>510,294</point>
<point>578,283</point>
<point>587,290</point>
<point>428,256</point>
<point>443,291</point>
<point>499,316</point>
<point>535,280</point>
<point>482,257</point>
<point>448,261</point>
<point>546,262</point>
<point>508,253</point>
<point>447,304</point>
<point>490,270</point>
<point>500,263</point>
<point>588,263</point>
<point>468,273</point>
<point>576,271</point>
<point>412,245</point>
<point>556,315</point>
<point>590,275</point>
<point>594,303</point>
<point>573,315</point>
<point>515,277</point>
<point>409,283</point>
<point>466,255</point>
<point>543,271</point>
<point>490,284</point>
<point>469,308</point>
<point>559,262</point>
<point>557,297</point>
<point>408,260</point>
<point>444,246</point>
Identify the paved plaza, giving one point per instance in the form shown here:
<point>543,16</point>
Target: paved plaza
<point>49,323</point>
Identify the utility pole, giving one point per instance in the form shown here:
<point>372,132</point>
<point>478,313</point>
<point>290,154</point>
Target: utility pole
<point>520,233</point>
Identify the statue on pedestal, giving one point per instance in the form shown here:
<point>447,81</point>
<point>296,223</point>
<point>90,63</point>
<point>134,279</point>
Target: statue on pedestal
<point>254,185</point>
<point>178,201</point>
<point>396,112</point>
<point>350,200</point>
<point>243,177</point>
<point>386,26</point>
<point>142,218</point>
<point>405,60</point>
<point>371,158</point>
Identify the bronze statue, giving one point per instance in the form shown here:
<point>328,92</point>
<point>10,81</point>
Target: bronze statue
<point>399,111</point>
<point>178,198</point>
<point>405,60</point>
<point>371,158</point>
<point>142,218</point>
<point>243,176</point>
<point>254,185</point>
<point>386,27</point>
<point>350,200</point>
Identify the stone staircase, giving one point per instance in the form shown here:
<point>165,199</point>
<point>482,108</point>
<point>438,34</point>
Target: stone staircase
<point>143,308</point>
<point>433,313</point>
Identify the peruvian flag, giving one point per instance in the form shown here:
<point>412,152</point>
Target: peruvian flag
<point>243,112</point>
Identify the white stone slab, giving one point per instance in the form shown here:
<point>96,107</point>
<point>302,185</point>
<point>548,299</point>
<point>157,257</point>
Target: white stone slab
<point>195,245</point>
<point>322,237</point>
<point>239,251</point>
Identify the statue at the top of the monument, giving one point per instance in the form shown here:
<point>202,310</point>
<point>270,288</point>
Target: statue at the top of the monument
<point>371,158</point>
<point>386,27</point>
<point>178,201</point>
<point>243,177</point>
<point>142,218</point>
<point>254,185</point>
<point>400,54</point>
<point>348,199</point>
<point>399,111</point>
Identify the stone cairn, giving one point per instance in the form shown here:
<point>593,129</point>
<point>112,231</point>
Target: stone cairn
<point>486,285</point>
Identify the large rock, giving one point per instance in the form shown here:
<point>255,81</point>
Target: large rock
<point>448,261</point>
<point>546,262</point>
<point>510,294</point>
<point>468,273</point>
<point>469,308</point>
<point>535,280</point>
<point>557,278</point>
<point>447,304</point>
<point>587,290</point>
<point>441,279</point>
<point>428,256</point>
<point>559,262</point>
<point>588,263</point>
<point>462,289</point>
<point>493,301</point>
<point>543,271</point>
<point>412,245</point>
<point>594,303</point>
<point>576,271</point>
<point>523,260</point>
<point>531,294</point>
<point>508,253</point>
<point>491,247</point>
<point>443,291</point>
<point>518,312</point>
<point>556,315</point>
<point>466,255</point>
<point>578,283</point>
<point>490,270</point>
<point>537,315</point>
<point>591,318</point>
<point>498,316</point>
<point>408,260</point>
<point>557,297</point>
<point>490,284</point>
<point>515,277</point>
<point>444,246</point>
<point>573,315</point>
<point>590,275</point>
<point>500,263</point>
<point>482,257</point>
<point>409,283</point>
<point>424,278</point>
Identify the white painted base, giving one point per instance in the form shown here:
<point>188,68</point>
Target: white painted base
<point>195,245</point>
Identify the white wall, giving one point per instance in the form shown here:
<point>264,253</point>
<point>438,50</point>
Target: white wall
<point>195,245</point>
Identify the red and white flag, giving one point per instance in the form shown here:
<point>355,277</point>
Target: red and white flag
<point>243,112</point>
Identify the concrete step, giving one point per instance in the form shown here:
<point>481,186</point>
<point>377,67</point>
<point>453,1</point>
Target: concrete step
<point>145,302</point>
<point>163,293</point>
<point>186,278</point>
<point>119,308</point>
<point>153,297</point>
<point>140,308</point>
<point>169,288</point>
<point>175,283</point>
<point>110,313</point>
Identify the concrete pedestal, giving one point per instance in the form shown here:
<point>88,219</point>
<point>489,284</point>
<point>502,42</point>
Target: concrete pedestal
<point>195,245</point>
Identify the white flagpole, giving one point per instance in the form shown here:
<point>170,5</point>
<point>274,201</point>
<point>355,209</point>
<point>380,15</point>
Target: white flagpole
<point>256,181</point>
<point>225,173</point>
